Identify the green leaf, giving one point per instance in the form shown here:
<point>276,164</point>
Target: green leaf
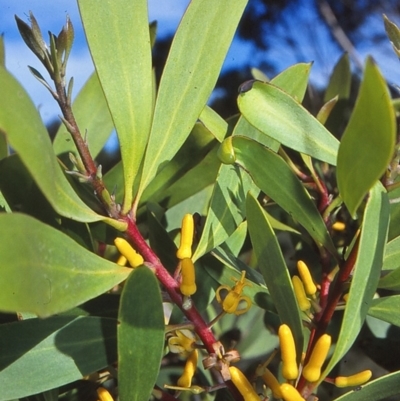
<point>367,270</point>
<point>274,270</point>
<point>340,80</point>
<point>226,209</point>
<point>386,309</point>
<point>93,118</point>
<point>368,142</point>
<point>294,80</point>
<point>274,177</point>
<point>214,123</point>
<point>119,41</point>
<point>140,335</point>
<point>280,116</point>
<point>393,33</point>
<point>45,272</point>
<point>21,122</point>
<point>391,262</point>
<point>191,71</point>
<point>379,389</point>
<point>38,355</point>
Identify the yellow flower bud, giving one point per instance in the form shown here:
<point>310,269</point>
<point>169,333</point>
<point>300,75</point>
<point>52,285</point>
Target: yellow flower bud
<point>306,278</point>
<point>243,385</point>
<point>271,381</point>
<point>290,370</point>
<point>289,393</point>
<point>126,250</point>
<point>103,394</point>
<point>190,369</point>
<point>354,380</point>
<point>187,232</point>
<point>338,226</point>
<point>312,371</point>
<point>188,282</point>
<point>303,301</point>
<point>122,261</point>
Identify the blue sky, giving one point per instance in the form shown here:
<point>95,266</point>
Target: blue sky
<point>312,39</point>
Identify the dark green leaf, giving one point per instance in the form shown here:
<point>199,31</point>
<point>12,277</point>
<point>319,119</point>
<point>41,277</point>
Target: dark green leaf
<point>274,270</point>
<point>386,309</point>
<point>368,141</point>
<point>280,116</point>
<point>140,335</point>
<point>38,355</point>
<point>45,272</point>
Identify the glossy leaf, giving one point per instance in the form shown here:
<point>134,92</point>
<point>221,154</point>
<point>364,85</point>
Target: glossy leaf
<point>280,116</point>
<point>45,271</point>
<point>386,309</point>
<point>274,177</point>
<point>368,142</point>
<point>274,270</point>
<point>379,389</point>
<point>140,335</point>
<point>93,118</point>
<point>340,80</point>
<point>294,80</point>
<point>119,41</point>
<point>38,355</point>
<point>201,40</point>
<point>367,270</point>
<point>226,209</point>
<point>27,135</point>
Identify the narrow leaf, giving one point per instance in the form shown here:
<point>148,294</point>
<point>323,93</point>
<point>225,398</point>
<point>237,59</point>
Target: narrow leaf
<point>368,142</point>
<point>45,272</point>
<point>274,177</point>
<point>140,335</point>
<point>214,123</point>
<point>366,272</point>
<point>119,41</point>
<point>38,355</point>
<point>393,33</point>
<point>391,263</point>
<point>274,270</point>
<point>340,80</point>
<point>93,118</point>
<point>193,65</point>
<point>21,122</point>
<point>386,309</point>
<point>280,116</point>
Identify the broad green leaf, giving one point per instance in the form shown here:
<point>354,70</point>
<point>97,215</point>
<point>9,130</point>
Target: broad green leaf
<point>367,270</point>
<point>4,151</point>
<point>140,335</point>
<point>21,122</point>
<point>274,177</point>
<point>119,41</point>
<point>38,355</point>
<point>235,242</point>
<point>45,272</point>
<point>393,32</point>
<point>191,71</point>
<point>391,261</point>
<point>386,309</point>
<point>226,209</point>
<point>214,123</point>
<point>379,389</point>
<point>340,80</point>
<point>274,270</point>
<point>280,116</point>
<point>294,80</point>
<point>93,118</point>
<point>368,142</point>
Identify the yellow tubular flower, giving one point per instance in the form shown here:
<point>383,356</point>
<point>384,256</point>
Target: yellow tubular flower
<point>190,369</point>
<point>271,381</point>
<point>354,380</point>
<point>290,369</point>
<point>306,278</point>
<point>126,250</point>
<point>243,385</point>
<point>303,301</point>
<point>289,393</point>
<point>122,261</point>
<point>187,232</point>
<point>182,343</point>
<point>188,282</point>
<point>232,300</point>
<point>338,226</point>
<point>103,394</point>
<point>312,371</point>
